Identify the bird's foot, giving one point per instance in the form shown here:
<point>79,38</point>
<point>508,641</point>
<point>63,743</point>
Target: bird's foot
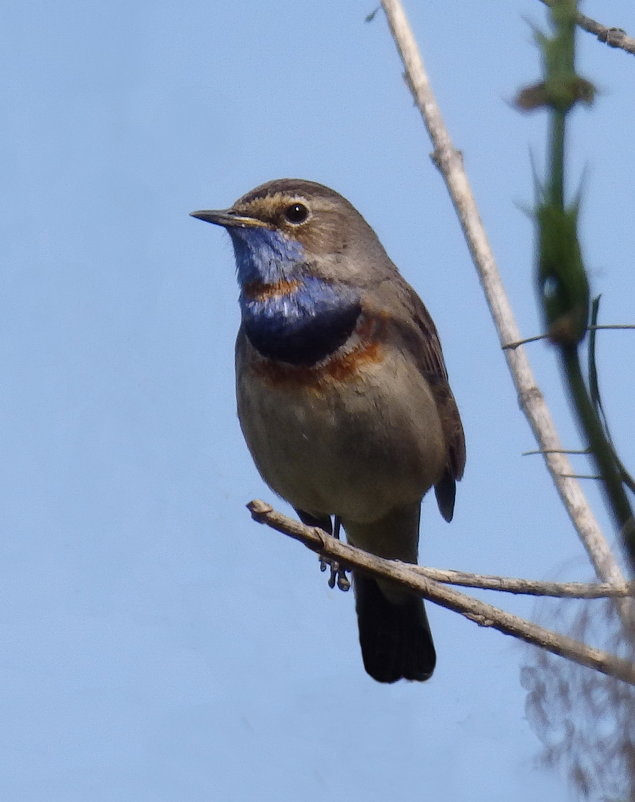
<point>338,572</point>
<point>337,575</point>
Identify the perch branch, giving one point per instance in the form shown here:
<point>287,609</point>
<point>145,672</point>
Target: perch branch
<point>408,576</point>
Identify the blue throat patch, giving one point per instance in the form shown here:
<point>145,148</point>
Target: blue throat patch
<point>289,314</point>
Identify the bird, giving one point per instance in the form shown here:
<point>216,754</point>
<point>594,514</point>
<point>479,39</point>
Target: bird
<point>343,395</point>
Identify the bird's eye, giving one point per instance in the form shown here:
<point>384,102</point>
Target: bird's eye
<point>296,213</point>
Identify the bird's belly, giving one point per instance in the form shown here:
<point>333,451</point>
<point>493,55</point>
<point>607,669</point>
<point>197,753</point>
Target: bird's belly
<point>356,448</point>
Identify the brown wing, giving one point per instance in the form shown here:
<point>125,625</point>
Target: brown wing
<point>422,340</point>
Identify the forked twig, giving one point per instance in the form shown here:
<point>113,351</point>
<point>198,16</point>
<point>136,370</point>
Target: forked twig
<point>613,37</point>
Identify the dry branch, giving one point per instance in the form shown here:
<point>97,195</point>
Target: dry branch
<point>450,163</point>
<point>411,577</point>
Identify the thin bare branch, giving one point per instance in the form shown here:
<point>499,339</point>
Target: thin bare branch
<point>527,587</point>
<point>579,451</point>
<point>531,400</point>
<point>538,337</point>
<point>517,343</point>
<point>611,326</point>
<point>410,577</point>
<point>613,37</point>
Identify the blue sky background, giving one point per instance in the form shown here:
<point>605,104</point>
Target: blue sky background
<point>157,644</point>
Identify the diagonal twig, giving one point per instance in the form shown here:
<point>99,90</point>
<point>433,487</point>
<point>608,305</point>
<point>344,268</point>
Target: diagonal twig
<point>531,400</point>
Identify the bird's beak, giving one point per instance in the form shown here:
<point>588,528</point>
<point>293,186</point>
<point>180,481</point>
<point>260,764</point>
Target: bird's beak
<point>228,218</point>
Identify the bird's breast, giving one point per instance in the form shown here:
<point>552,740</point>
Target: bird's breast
<point>298,321</point>
<point>345,364</point>
<point>354,435</point>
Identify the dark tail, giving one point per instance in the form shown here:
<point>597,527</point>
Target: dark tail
<point>395,636</point>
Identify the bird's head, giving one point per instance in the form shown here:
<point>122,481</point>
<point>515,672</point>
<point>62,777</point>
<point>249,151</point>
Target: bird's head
<point>289,228</point>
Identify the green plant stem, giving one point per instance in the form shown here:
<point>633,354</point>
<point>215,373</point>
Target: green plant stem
<point>600,449</point>
<point>556,175</point>
<point>573,286</point>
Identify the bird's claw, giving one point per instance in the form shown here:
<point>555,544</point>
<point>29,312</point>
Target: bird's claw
<point>338,574</point>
